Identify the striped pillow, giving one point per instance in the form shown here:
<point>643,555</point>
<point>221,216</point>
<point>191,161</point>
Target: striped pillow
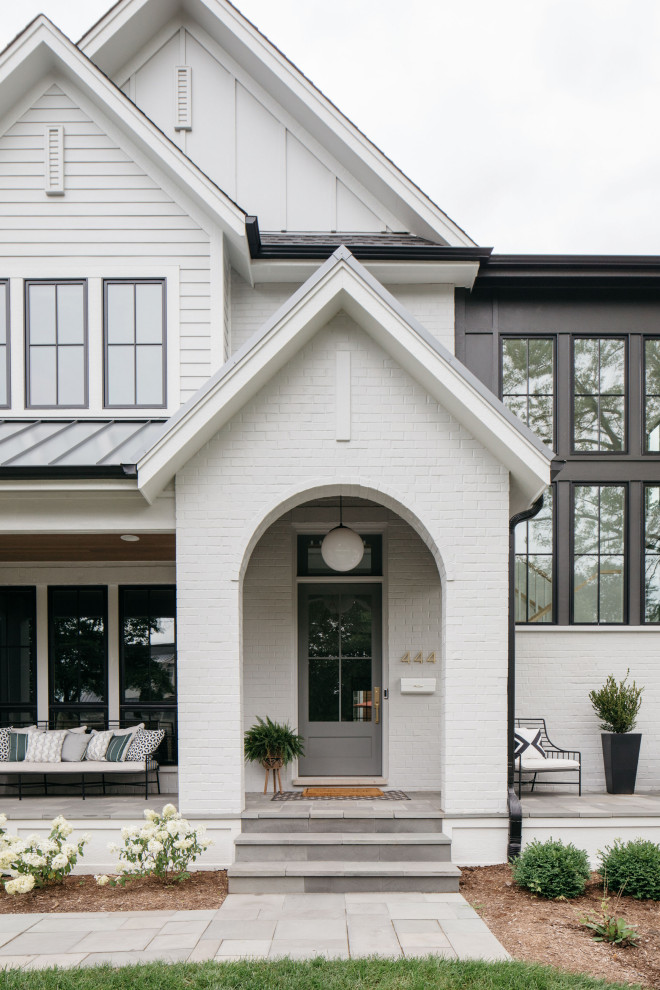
<point>117,747</point>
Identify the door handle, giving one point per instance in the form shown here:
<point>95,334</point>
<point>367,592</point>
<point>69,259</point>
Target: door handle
<point>377,705</point>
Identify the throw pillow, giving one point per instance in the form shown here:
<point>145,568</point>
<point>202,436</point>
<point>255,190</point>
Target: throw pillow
<point>98,745</point>
<point>77,728</point>
<point>74,747</point>
<point>4,745</point>
<point>145,742</point>
<point>528,741</point>
<point>18,742</point>
<point>45,747</point>
<point>130,732</point>
<point>117,748</point>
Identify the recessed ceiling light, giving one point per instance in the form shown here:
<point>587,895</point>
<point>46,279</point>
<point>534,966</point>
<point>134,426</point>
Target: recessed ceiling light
<point>129,538</point>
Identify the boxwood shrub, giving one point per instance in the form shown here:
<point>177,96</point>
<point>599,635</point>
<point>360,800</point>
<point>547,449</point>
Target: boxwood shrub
<point>633,868</point>
<point>552,869</point>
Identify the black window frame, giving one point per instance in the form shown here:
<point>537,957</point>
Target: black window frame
<point>642,535</point>
<point>625,338</point>
<point>106,381</point>
<point>646,453</point>
<point>55,707</point>
<point>553,620</point>
<point>27,345</point>
<point>625,621</point>
<point>30,708</point>
<point>552,337</point>
<point>7,344</point>
<point>375,540</point>
<point>145,708</point>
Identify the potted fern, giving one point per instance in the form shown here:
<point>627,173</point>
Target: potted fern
<point>274,745</point>
<point>617,706</point>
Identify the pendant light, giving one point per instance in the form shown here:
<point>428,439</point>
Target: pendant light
<point>342,548</point>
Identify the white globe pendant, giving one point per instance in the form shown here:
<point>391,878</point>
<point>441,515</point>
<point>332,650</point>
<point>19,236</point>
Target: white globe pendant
<point>342,549</point>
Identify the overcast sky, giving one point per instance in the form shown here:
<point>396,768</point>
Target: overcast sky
<point>533,123</point>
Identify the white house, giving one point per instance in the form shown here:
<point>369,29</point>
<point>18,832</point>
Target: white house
<point>229,319</point>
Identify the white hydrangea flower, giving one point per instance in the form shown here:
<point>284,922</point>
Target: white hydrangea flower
<point>169,811</point>
<point>205,843</point>
<point>147,832</point>
<point>113,848</point>
<point>151,816</point>
<point>69,850</point>
<point>33,859</point>
<point>126,833</point>
<point>85,838</point>
<point>20,885</point>
<point>154,847</point>
<point>62,825</point>
<point>7,857</point>
<point>102,879</point>
<point>49,846</point>
<point>172,827</point>
<point>162,835</point>
<point>59,861</point>
<point>3,820</point>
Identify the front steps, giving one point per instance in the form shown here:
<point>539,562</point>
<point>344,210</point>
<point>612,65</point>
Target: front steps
<point>336,852</point>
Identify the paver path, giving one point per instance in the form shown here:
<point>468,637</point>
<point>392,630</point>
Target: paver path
<point>262,926</point>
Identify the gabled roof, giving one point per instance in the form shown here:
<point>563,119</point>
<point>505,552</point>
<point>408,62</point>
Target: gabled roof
<point>342,283</point>
<point>41,50</point>
<point>130,24</point>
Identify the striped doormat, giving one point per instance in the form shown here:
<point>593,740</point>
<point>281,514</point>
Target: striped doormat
<point>346,794</point>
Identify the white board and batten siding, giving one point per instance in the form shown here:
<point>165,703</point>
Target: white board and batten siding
<point>244,140</point>
<point>109,219</point>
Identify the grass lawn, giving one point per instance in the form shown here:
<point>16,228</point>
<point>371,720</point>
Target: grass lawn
<point>355,974</point>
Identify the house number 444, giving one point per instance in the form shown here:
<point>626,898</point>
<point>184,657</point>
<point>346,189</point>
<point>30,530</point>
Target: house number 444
<point>418,658</point>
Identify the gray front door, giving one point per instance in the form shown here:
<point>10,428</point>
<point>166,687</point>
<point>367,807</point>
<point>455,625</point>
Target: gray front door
<point>339,665</point>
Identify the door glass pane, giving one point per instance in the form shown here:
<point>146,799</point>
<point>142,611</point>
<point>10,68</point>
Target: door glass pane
<point>70,314</point>
<point>121,313</point>
<point>41,300</point>
<point>356,690</point>
<point>324,626</point>
<point>355,626</point>
<point>323,690</point>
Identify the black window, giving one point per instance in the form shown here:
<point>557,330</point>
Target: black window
<point>78,656</point>
<point>134,333</point>
<point>18,661</point>
<point>4,343</point>
<point>652,553</point>
<point>312,564</point>
<point>528,382</point>
<point>534,566</point>
<point>652,395</point>
<point>148,660</point>
<point>599,586</point>
<point>599,394</point>
<point>56,344</point>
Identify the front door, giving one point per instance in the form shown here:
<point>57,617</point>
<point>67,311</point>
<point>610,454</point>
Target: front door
<point>340,687</point>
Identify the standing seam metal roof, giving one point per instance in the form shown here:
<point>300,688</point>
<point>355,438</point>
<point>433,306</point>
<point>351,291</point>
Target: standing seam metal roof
<point>74,443</point>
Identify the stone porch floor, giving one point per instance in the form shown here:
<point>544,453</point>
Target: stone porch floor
<point>590,805</point>
<point>257,926</point>
<point>418,803</point>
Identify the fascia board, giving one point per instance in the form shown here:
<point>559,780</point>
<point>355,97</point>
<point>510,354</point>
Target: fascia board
<point>278,76</point>
<point>42,50</point>
<point>342,283</point>
<point>461,274</point>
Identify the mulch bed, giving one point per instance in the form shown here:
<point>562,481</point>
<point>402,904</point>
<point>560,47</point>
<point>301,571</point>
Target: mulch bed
<point>205,890</point>
<point>549,932</point>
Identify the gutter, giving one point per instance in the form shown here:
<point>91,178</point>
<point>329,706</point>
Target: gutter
<point>515,808</point>
<point>51,473</point>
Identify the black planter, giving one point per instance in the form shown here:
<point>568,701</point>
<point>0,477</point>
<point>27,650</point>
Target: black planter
<point>620,756</point>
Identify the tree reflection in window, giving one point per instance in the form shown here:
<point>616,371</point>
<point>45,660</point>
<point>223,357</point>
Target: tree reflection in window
<point>599,366</point>
<point>148,645</point>
<point>599,554</point>
<point>534,566</point>
<point>652,553</point>
<point>78,646</point>
<point>652,396</point>
<point>339,653</point>
<point>528,387</point>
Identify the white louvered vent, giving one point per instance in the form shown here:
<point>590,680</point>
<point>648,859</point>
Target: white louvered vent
<point>54,160</point>
<point>183,90</point>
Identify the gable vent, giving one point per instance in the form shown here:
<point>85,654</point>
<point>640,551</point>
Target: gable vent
<point>54,160</point>
<point>183,108</point>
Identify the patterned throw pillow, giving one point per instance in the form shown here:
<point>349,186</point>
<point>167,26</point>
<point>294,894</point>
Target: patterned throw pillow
<point>18,742</point>
<point>45,747</point>
<point>98,745</point>
<point>528,741</point>
<point>4,745</point>
<point>117,748</point>
<point>145,742</point>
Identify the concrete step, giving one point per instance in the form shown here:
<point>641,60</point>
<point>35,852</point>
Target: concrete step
<point>342,821</point>
<point>336,876</point>
<point>382,847</point>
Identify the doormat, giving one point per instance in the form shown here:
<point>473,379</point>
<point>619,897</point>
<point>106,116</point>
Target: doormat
<point>348,794</point>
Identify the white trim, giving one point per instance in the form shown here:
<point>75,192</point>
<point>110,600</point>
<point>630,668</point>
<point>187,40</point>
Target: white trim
<point>41,637</point>
<point>647,628</point>
<point>113,652</point>
<point>460,274</point>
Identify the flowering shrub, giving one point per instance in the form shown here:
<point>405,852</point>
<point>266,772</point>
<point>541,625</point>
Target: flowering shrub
<point>35,861</point>
<point>164,846</point>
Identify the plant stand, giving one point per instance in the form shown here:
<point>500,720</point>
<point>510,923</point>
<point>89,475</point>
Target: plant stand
<point>274,764</point>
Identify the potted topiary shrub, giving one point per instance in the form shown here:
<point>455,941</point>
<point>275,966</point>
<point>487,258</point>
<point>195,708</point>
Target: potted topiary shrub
<point>617,706</point>
<point>274,746</point>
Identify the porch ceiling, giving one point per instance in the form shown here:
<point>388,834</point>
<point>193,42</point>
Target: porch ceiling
<point>86,547</point>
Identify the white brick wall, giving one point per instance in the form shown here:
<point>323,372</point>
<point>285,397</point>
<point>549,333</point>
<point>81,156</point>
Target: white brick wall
<point>556,670</point>
<point>433,306</point>
<point>410,455</point>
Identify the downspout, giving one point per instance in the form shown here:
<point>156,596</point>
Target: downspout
<point>515,808</point>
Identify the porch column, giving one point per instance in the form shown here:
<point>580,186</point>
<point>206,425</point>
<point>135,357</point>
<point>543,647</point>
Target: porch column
<point>211,765</point>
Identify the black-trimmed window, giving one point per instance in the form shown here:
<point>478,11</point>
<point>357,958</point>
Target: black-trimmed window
<point>18,656</point>
<point>312,564</point>
<point>599,394</point>
<point>534,580</point>
<point>599,554</point>
<point>78,655</point>
<point>56,344</point>
<point>147,647</point>
<point>651,553</point>
<point>652,395</point>
<point>134,343</point>
<point>4,345</point>
<point>528,382</point>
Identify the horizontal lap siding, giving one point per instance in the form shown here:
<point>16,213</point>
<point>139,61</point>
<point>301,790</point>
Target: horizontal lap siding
<point>112,210</point>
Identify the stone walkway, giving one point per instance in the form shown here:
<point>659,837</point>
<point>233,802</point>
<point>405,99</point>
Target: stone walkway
<point>257,926</point>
